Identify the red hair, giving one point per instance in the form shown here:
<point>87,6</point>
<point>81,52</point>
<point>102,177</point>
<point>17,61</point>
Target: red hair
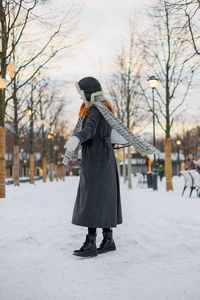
<point>83,110</point>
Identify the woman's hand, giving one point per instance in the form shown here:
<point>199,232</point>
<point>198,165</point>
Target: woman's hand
<point>72,143</point>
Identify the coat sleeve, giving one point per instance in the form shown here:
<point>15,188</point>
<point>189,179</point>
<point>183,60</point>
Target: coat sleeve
<point>90,125</point>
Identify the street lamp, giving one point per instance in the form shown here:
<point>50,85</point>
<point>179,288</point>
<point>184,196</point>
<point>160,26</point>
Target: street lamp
<point>50,138</point>
<point>29,112</point>
<point>178,143</point>
<point>55,147</point>
<point>2,83</point>
<point>11,68</point>
<point>153,83</point>
<point>22,159</point>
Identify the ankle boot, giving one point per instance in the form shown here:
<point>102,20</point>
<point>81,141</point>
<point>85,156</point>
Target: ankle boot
<point>89,248</point>
<point>107,243</point>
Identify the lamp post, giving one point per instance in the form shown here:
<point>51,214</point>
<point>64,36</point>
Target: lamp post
<point>2,136</point>
<point>22,156</point>
<point>178,143</point>
<point>50,138</point>
<point>153,83</point>
<point>44,151</point>
<point>56,147</point>
<point>25,165</point>
<point>30,113</point>
<point>11,69</point>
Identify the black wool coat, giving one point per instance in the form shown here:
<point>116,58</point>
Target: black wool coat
<point>98,201</point>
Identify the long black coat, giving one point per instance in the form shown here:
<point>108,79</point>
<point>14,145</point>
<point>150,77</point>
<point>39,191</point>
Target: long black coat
<point>98,201</point>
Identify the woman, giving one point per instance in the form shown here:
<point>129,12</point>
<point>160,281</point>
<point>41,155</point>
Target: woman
<point>98,203</point>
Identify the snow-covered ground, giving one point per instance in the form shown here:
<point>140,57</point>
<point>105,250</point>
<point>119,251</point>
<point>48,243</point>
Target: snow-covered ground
<point>157,257</point>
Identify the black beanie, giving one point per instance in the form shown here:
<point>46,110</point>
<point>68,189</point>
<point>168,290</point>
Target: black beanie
<point>89,85</point>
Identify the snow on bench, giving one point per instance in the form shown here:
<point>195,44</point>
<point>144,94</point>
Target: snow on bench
<point>192,181</point>
<point>141,180</point>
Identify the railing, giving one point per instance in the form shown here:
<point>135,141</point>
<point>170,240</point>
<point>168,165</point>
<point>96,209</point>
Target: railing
<point>22,179</point>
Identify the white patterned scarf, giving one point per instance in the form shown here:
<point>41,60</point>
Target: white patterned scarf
<point>133,139</point>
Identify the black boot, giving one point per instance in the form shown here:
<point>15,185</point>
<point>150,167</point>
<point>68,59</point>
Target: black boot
<point>107,243</point>
<point>89,248</point>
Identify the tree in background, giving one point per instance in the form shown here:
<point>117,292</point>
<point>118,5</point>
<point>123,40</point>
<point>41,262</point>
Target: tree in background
<point>124,88</point>
<point>171,61</point>
<point>189,21</point>
<point>51,106</point>
<point>190,141</point>
<point>18,19</point>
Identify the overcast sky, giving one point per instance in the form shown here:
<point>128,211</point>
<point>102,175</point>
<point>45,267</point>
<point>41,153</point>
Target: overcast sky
<point>103,23</point>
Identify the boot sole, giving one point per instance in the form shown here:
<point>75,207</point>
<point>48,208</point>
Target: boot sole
<point>107,250</point>
<point>86,255</point>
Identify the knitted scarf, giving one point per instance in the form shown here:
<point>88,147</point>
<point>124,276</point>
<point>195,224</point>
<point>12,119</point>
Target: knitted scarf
<point>133,139</point>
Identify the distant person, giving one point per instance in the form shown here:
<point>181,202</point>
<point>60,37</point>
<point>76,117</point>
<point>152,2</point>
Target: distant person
<point>190,165</point>
<point>161,171</point>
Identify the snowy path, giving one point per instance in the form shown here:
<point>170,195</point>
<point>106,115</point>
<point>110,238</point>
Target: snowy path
<point>157,257</point>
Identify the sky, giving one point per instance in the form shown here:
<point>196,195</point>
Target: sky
<point>102,24</point>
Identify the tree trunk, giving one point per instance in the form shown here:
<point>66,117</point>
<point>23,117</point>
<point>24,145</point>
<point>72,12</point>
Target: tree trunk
<point>2,163</point>
<point>44,168</point>
<point>22,171</point>
<point>124,165</point>
<point>168,164</point>
<point>32,167</point>
<point>51,171</point>
<point>60,172</point>
<point>57,169</point>
<point>129,169</point>
<point>16,165</point>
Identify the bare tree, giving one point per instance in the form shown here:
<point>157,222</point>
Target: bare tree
<point>15,18</point>
<point>124,88</point>
<point>170,60</point>
<point>189,17</point>
<point>50,120</point>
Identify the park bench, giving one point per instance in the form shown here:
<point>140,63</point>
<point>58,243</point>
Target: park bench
<point>141,180</point>
<point>192,181</point>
